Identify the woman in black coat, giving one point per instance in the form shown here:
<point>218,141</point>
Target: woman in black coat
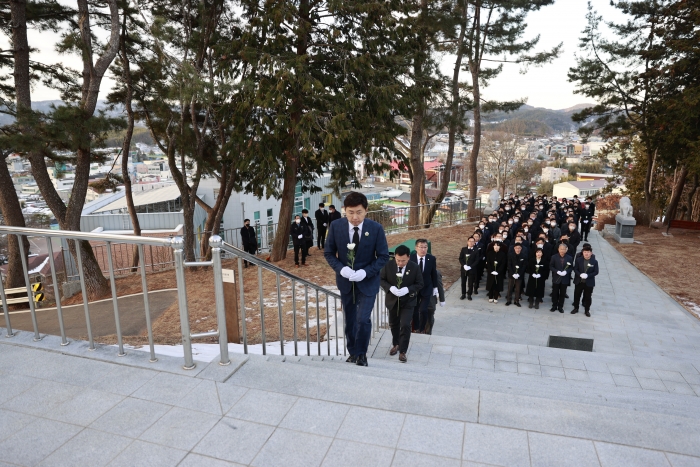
<point>496,261</point>
<point>538,270</point>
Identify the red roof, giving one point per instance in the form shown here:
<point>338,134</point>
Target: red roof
<point>426,165</point>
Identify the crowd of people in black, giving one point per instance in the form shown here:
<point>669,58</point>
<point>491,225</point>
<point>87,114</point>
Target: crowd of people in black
<point>523,244</point>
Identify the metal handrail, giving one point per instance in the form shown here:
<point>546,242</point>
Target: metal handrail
<point>73,235</point>
<point>276,269</point>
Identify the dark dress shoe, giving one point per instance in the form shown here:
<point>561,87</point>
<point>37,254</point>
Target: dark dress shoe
<point>588,313</point>
<point>462,297</point>
<point>402,357</point>
<point>394,350</point>
<point>469,297</point>
<point>537,305</point>
<point>561,310</point>
<point>530,304</point>
<point>508,303</point>
<point>574,311</point>
<point>517,303</point>
<point>352,359</point>
<point>566,295</point>
<point>476,292</point>
<point>362,360</point>
<point>553,309</point>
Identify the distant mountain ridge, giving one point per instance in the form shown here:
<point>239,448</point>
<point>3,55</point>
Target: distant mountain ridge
<point>538,120</point>
<point>45,106</point>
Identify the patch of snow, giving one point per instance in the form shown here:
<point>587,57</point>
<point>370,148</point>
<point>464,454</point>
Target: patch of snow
<point>40,267</point>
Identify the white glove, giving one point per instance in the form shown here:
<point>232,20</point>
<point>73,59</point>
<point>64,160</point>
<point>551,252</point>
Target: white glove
<point>442,303</point>
<point>325,225</point>
<point>358,276</point>
<point>300,236</point>
<point>585,222</point>
<point>403,291</point>
<point>495,273</point>
<point>584,275</point>
<point>561,273</point>
<point>467,268</point>
<point>394,290</point>
<point>516,276</point>
<point>435,291</point>
<point>536,276</point>
<point>346,272</point>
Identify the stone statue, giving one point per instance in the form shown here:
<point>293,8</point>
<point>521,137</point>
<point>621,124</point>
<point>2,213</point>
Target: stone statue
<point>494,200</point>
<point>625,207</point>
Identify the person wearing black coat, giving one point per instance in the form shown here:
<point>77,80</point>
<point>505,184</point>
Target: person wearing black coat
<point>322,220</point>
<point>468,258</point>
<point>309,236</point>
<point>560,265</point>
<point>517,263</point>
<point>333,215</point>
<point>572,237</point>
<point>480,246</point>
<point>401,299</point>
<point>249,239</point>
<point>428,266</point>
<point>496,263</point>
<point>300,233</point>
<point>586,220</point>
<point>585,270</point>
<point>538,269</point>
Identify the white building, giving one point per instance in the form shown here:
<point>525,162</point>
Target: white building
<point>580,189</point>
<point>554,174</point>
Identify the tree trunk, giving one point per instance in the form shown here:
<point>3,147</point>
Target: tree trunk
<point>126,145</point>
<point>212,225</point>
<point>12,212</point>
<point>284,221</point>
<point>676,195</point>
<point>417,168</point>
<point>474,156</point>
<point>9,203</point>
<point>454,116</point>
<point>691,196</point>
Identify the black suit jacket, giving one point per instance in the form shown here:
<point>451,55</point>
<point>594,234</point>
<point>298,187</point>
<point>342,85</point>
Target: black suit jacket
<point>307,220</point>
<point>469,257</point>
<point>429,274</point>
<point>322,217</point>
<point>412,278</point>
<point>248,236</point>
<point>333,216</point>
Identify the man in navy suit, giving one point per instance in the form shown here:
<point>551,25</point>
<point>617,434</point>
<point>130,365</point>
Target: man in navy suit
<point>427,264</point>
<point>357,277</point>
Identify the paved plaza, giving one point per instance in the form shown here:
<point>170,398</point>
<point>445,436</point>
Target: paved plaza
<point>483,390</point>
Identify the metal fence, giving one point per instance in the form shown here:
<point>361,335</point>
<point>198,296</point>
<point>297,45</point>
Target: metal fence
<point>303,315</point>
<point>395,218</point>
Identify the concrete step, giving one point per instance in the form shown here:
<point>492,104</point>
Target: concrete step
<point>635,418</point>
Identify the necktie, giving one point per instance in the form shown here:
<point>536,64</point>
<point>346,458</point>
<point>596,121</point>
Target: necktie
<point>401,270</point>
<point>421,265</point>
<point>356,236</point>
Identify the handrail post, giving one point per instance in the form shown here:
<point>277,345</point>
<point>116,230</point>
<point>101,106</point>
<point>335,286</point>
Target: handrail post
<point>6,312</point>
<point>215,242</point>
<point>178,253</point>
<point>30,295</point>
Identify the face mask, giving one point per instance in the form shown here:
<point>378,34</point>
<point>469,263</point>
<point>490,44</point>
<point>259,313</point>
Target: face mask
<point>481,226</point>
<point>572,227</point>
<point>545,230</point>
<point>525,230</point>
<point>298,221</point>
<point>507,209</point>
<point>539,245</point>
<point>510,222</point>
<point>247,224</point>
<point>522,209</point>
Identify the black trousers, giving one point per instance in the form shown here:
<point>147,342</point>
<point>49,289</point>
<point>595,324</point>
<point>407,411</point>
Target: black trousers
<point>585,229</point>
<point>558,295</point>
<point>479,274</point>
<point>321,237</point>
<point>304,249</point>
<point>400,324</point>
<point>587,292</point>
<point>468,282</point>
<point>252,249</point>
<point>420,313</point>
<point>514,285</point>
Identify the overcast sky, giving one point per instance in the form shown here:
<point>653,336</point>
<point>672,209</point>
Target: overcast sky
<point>542,87</point>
